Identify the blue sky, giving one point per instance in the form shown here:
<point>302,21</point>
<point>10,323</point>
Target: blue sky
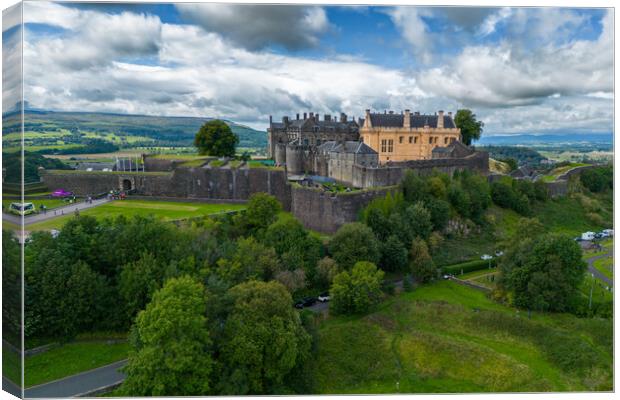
<point>522,70</point>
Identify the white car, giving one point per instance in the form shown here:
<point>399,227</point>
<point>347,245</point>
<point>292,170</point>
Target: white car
<point>608,232</point>
<point>486,257</point>
<point>323,297</point>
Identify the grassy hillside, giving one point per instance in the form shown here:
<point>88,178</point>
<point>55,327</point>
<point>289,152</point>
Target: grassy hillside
<point>446,338</point>
<point>57,130</point>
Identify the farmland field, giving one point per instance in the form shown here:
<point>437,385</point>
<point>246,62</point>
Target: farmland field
<point>446,338</point>
<point>165,210</point>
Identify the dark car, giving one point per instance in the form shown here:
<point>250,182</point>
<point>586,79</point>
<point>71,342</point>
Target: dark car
<point>306,302</point>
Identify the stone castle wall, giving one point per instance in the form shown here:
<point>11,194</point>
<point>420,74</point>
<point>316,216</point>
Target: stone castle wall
<point>392,174</point>
<point>325,212</point>
<point>211,183</point>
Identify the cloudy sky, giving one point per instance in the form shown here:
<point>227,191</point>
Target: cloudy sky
<point>521,70</point>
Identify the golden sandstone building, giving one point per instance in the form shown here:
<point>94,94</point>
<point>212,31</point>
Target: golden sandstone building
<point>404,137</point>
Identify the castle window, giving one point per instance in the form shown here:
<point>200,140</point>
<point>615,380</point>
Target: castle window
<point>415,139</point>
<point>318,142</point>
<point>305,142</point>
<point>430,140</point>
<point>316,128</point>
<point>445,141</point>
<point>410,139</point>
<point>383,145</point>
<point>400,139</point>
<point>390,146</point>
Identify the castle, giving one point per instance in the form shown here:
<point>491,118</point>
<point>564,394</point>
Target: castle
<point>309,151</point>
<point>374,151</point>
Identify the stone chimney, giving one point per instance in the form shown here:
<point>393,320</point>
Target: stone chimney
<point>270,120</point>
<point>305,116</point>
<point>343,117</point>
<point>285,120</point>
<point>327,118</point>
<point>367,122</point>
<point>311,115</point>
<point>407,119</point>
<point>440,120</point>
<point>298,116</point>
<point>417,113</point>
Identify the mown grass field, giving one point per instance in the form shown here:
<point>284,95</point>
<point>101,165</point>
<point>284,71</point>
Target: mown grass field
<point>166,210</point>
<point>70,359</point>
<point>446,338</point>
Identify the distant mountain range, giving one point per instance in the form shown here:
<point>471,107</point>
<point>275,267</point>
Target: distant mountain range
<point>551,139</point>
<point>178,131</point>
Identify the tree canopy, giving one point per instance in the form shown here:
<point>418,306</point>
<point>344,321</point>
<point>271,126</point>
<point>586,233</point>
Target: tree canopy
<point>215,138</point>
<point>171,353</point>
<point>263,339</point>
<point>358,290</point>
<point>470,127</point>
<point>354,242</point>
<point>543,271</point>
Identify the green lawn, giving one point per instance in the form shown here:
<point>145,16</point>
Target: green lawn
<point>166,210</point>
<point>71,359</point>
<point>605,266</point>
<point>446,338</point>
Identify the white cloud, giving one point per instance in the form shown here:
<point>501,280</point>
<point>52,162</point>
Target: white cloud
<point>490,23</point>
<point>409,22</point>
<point>505,75</point>
<point>259,26</point>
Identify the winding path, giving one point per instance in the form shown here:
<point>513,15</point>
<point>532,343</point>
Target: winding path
<point>82,384</point>
<point>596,272</point>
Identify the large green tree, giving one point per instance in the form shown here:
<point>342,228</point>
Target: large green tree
<point>294,245</point>
<point>543,271</point>
<point>352,243</point>
<point>264,340</point>
<point>358,290</point>
<point>262,210</point>
<point>422,266</point>
<point>470,127</point>
<point>215,138</point>
<point>171,353</point>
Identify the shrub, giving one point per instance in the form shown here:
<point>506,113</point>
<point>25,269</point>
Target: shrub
<point>358,290</point>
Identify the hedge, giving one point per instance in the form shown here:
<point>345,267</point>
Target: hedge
<point>468,266</point>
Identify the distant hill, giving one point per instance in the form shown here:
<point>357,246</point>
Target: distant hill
<point>530,139</point>
<point>166,131</point>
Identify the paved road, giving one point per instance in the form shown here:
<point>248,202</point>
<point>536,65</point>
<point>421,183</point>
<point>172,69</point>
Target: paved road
<point>596,272</point>
<point>79,384</point>
<point>54,213</point>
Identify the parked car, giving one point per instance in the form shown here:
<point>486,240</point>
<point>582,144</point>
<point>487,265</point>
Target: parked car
<point>486,257</point>
<point>305,302</point>
<point>22,208</point>
<point>323,297</point>
<point>608,232</point>
<point>587,236</point>
<point>598,236</point>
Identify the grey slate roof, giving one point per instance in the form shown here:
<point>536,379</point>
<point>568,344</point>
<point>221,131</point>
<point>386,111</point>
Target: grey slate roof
<point>346,147</point>
<point>416,121</point>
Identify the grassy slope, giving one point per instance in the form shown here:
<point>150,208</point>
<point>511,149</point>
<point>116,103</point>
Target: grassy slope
<point>432,341</point>
<point>166,210</point>
<point>70,359</point>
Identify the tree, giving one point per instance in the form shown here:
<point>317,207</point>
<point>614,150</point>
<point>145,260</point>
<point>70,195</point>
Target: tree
<point>418,220</point>
<point>460,200</point>
<point>171,353</point>
<point>543,271</point>
<point>296,248</point>
<point>326,270</point>
<point>263,340</point>
<point>250,260</point>
<point>358,290</point>
<point>597,179</point>
<point>470,127</point>
<point>422,266</point>
<point>138,281</point>
<point>354,242</point>
<point>262,210</point>
<point>215,138</point>
<point>393,254</point>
